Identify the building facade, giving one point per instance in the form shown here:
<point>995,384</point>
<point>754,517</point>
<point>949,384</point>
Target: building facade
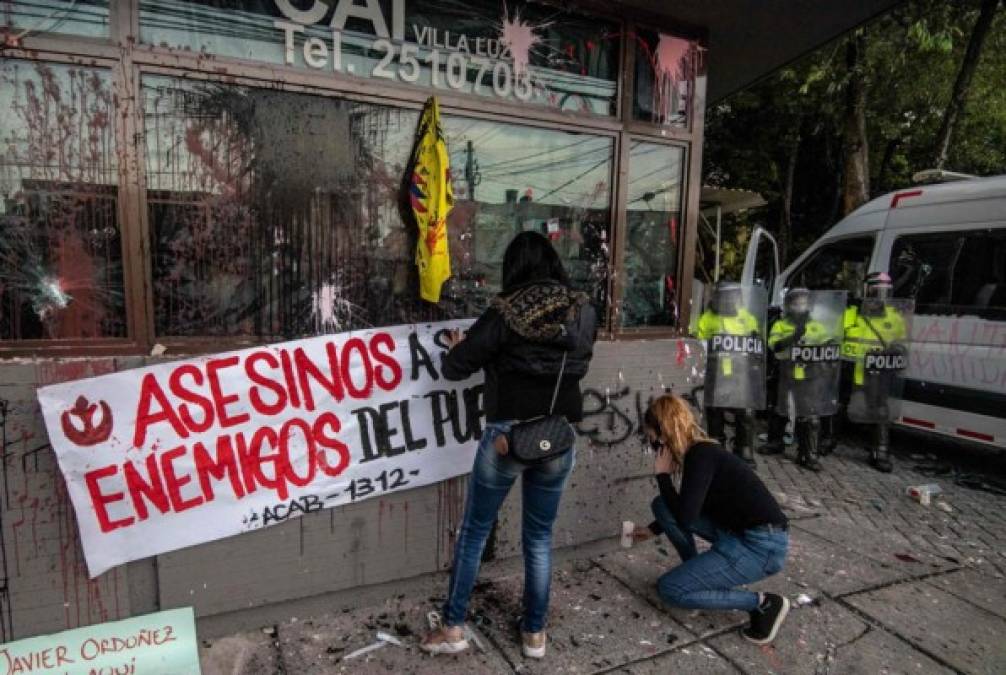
<point>190,176</point>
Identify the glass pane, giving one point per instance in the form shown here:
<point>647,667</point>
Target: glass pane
<point>60,248</point>
<point>952,272</point>
<point>665,78</point>
<point>764,267</point>
<point>840,266</point>
<point>524,53</point>
<point>922,268</point>
<point>653,217</point>
<point>510,178</point>
<point>276,214</point>
<point>88,18</point>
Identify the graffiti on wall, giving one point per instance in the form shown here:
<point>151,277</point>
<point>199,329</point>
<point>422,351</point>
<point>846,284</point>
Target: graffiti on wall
<point>39,541</point>
<point>6,611</point>
<point>959,350</point>
<point>613,417</point>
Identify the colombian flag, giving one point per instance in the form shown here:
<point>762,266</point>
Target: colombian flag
<point>432,198</point>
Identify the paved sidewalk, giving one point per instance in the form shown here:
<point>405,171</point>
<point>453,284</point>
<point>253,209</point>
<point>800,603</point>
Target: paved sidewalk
<point>894,587</point>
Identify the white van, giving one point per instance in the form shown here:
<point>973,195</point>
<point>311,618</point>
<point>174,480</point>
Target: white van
<point>944,246</point>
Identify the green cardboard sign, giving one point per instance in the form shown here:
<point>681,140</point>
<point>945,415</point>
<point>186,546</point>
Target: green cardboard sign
<point>163,643</point>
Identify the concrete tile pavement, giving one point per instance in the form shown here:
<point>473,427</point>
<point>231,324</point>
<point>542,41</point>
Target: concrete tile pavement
<point>896,588</point>
<point>595,622</point>
<point>939,624</point>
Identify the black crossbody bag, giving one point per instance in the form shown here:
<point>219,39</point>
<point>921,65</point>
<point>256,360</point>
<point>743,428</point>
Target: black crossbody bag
<point>543,438</point>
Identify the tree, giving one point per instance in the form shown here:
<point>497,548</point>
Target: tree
<point>856,187</point>
<point>959,97</point>
<point>787,137</point>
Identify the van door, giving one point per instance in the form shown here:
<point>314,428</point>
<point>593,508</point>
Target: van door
<point>956,380</point>
<point>761,263</point>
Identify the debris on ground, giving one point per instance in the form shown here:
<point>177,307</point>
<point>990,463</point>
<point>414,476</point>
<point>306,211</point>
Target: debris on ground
<point>373,647</point>
<point>972,481</point>
<point>390,639</point>
<point>804,600</point>
<point>383,640</point>
<point>472,637</point>
<point>984,483</point>
<point>923,494</point>
<point>943,506</point>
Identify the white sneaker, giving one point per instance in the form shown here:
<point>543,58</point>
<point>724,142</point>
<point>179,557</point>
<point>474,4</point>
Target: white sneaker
<point>533,645</point>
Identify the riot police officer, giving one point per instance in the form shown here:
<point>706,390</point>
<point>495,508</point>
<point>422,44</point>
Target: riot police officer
<point>735,371</point>
<point>875,344</point>
<point>806,340</point>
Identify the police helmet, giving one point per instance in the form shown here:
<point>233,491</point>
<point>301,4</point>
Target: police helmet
<point>797,303</point>
<point>727,298</point>
<point>878,285</point>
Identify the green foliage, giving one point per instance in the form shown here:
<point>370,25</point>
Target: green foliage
<point>912,58</point>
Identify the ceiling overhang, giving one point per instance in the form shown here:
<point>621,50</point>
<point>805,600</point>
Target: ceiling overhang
<point>749,39</point>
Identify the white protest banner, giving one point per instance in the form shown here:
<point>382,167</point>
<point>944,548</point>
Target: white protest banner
<point>163,457</point>
<point>153,644</point>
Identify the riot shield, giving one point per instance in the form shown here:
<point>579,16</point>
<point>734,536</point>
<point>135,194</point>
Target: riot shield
<point>876,341</point>
<point>809,350</point>
<point>733,328</point>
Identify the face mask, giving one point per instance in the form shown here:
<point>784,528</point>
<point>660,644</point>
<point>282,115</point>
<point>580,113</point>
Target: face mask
<point>725,305</point>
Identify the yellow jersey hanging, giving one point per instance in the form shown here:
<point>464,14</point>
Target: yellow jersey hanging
<point>432,198</point>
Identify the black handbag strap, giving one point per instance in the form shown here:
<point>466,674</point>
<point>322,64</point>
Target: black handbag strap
<point>558,381</point>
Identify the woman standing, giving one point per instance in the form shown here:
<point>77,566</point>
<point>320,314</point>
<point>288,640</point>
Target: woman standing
<point>723,501</point>
<point>536,329</point>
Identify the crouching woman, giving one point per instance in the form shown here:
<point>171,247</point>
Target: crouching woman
<point>723,501</point>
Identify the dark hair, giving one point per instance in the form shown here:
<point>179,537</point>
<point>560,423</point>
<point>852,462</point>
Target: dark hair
<point>530,257</point>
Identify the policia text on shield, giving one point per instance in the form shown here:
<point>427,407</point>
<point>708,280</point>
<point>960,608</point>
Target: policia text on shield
<point>806,342</point>
<point>733,326</point>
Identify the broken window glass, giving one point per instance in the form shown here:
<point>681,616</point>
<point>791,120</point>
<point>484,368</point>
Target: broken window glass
<point>665,71</point>
<point>516,51</point>
<point>60,248</point>
<point>20,19</point>
<point>279,215</point>
<point>653,219</point>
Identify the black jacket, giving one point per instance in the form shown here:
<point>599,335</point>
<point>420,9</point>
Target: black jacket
<point>519,342</point>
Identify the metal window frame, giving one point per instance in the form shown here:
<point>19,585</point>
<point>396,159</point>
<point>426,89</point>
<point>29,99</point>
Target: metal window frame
<point>129,60</point>
<point>691,138</point>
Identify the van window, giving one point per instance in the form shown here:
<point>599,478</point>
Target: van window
<point>766,264</point>
<point>838,266</point>
<point>952,272</point>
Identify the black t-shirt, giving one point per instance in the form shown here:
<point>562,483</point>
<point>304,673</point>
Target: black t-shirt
<point>722,487</point>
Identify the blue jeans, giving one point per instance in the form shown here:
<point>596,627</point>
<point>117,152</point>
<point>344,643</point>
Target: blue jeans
<point>710,580</point>
<point>491,479</point>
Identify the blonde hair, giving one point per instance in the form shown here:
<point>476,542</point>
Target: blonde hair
<point>672,420</point>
